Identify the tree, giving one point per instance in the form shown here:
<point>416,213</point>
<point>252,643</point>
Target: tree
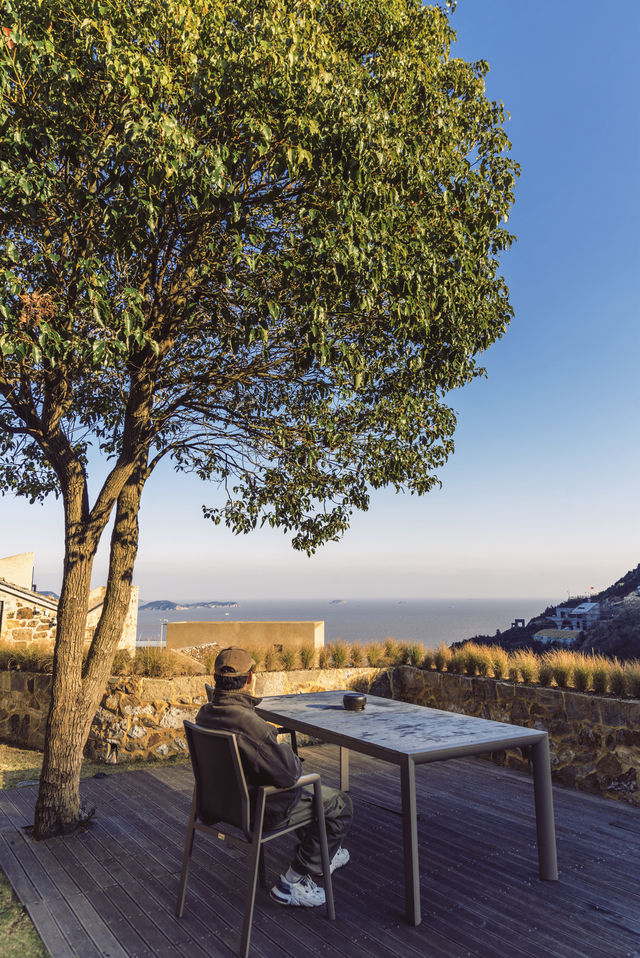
<point>258,238</point>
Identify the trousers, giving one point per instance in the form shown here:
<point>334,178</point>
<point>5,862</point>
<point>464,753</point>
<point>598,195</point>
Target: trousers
<point>338,811</point>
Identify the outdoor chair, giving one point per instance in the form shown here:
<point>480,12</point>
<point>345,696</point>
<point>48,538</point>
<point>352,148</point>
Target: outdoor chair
<point>221,807</point>
<point>280,730</point>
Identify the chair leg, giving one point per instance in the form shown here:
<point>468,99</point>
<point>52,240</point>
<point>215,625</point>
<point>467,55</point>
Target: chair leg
<point>324,849</point>
<point>254,867</point>
<point>186,859</point>
<point>263,868</point>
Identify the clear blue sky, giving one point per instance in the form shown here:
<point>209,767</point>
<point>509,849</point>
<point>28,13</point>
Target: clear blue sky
<point>542,495</point>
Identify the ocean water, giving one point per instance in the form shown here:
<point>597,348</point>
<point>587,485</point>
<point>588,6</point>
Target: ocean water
<point>430,621</point>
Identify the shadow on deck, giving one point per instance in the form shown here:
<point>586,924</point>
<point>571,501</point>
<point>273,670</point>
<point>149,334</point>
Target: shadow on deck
<point>111,891</point>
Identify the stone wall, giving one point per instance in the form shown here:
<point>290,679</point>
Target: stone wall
<point>594,740</point>
<point>26,623</point>
<point>141,718</point>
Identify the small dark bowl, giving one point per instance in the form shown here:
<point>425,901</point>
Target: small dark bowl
<point>354,701</point>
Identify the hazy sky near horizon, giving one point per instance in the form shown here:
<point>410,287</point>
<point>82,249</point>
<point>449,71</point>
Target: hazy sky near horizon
<point>541,496</point>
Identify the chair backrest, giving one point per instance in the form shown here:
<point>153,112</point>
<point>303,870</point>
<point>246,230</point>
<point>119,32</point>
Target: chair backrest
<point>209,689</point>
<point>221,788</point>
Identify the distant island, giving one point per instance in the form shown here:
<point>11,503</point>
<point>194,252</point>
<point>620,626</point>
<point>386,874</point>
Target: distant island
<point>164,605</point>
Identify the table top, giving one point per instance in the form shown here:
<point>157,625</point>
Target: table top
<point>393,730</point>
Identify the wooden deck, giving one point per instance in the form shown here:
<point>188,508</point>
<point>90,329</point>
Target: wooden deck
<point>111,891</point>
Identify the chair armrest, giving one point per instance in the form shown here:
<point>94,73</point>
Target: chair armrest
<point>303,780</point>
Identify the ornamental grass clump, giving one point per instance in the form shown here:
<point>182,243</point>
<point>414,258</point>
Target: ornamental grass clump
<point>632,670</point>
<point>7,656</point>
<point>415,654</point>
<point>256,654</point>
<point>271,660</point>
<point>37,657</point>
<point>561,667</point>
<point>427,661</point>
<point>457,662</point>
<point>288,659</point>
<point>324,657</point>
<point>441,656</point>
<point>527,664</point>
<point>390,650</point>
<point>374,654</point>
<point>600,674</point>
<point>356,653</point>
<point>617,679</point>
<point>307,655</point>
<point>582,673</point>
<point>339,655</point>
<point>469,659</point>
<point>402,654</point>
<point>499,662</point>
<point>158,663</point>
<point>122,663</point>
<point>484,660</point>
<point>545,671</point>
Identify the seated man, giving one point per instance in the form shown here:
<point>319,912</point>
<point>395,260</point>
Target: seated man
<point>265,762</point>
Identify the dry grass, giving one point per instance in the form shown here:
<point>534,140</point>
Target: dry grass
<point>559,667</point>
<point>357,655</point>
<point>339,655</point>
<point>307,656</point>
<point>375,655</point>
<point>441,656</point>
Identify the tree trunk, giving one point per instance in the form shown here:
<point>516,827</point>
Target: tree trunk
<point>76,691</point>
<point>58,805</point>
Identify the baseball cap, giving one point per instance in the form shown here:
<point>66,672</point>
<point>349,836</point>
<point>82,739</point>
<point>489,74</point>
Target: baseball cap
<point>233,661</point>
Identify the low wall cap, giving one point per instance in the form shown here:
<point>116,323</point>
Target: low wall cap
<point>233,661</point>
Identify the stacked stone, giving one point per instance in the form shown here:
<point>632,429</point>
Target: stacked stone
<point>142,718</point>
<point>594,740</point>
<point>25,624</point>
<point>24,704</point>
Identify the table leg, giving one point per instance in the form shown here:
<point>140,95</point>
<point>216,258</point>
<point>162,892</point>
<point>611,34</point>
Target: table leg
<point>545,825</point>
<point>344,769</point>
<point>410,837</point>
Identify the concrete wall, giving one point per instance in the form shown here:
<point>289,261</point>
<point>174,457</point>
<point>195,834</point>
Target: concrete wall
<point>18,569</point>
<point>181,635</point>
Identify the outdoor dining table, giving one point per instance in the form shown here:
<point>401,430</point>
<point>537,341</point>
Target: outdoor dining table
<point>408,735</point>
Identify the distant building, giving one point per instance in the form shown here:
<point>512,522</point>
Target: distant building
<point>577,618</point>
<point>517,624</point>
<point>559,636</point>
<point>28,616</point>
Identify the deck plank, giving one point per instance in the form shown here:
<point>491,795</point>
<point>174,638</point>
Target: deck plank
<point>111,890</point>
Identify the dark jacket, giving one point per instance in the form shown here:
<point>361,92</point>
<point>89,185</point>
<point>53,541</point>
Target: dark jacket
<point>264,761</point>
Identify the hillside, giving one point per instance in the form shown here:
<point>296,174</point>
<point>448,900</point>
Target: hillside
<point>618,636</point>
<point>627,584</point>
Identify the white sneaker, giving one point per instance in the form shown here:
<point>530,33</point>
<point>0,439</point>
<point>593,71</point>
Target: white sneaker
<point>304,892</point>
<point>341,858</point>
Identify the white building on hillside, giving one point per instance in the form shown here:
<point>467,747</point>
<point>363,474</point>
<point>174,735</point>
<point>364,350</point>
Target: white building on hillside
<point>577,618</point>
